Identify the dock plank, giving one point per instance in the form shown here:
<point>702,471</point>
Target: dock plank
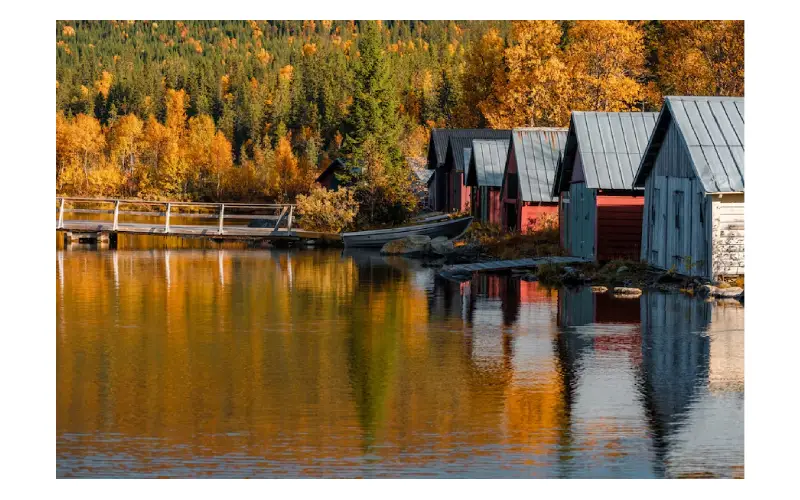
<point>500,265</point>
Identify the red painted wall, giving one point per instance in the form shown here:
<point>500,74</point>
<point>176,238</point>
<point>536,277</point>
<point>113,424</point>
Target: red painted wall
<point>495,206</point>
<point>529,213</point>
<point>619,227</point>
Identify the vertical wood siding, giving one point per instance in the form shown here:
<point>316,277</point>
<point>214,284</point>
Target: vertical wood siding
<point>675,228</point>
<point>619,227</point>
<point>582,214</point>
<point>673,158</point>
<point>727,239</point>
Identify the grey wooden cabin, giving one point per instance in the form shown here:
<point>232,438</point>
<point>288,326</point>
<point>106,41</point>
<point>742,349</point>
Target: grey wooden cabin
<point>693,175</point>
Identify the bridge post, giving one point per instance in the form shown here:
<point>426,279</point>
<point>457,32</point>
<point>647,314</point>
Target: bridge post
<point>166,224</point>
<point>289,226</point>
<point>116,214</point>
<point>60,224</point>
<point>221,216</point>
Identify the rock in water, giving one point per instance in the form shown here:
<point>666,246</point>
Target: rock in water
<point>599,289</point>
<point>442,246</point>
<point>409,246</point>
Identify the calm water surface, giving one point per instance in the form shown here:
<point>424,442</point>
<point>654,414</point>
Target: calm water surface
<point>268,363</point>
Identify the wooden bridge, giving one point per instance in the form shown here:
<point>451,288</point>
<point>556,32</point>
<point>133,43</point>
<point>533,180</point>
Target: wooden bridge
<point>102,219</point>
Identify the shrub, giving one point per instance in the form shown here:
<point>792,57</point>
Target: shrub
<point>327,211</point>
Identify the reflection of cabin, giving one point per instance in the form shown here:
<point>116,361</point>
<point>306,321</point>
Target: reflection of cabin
<point>693,175</point>
<point>601,213</point>
<point>448,182</point>
<point>528,176</point>
<point>485,178</point>
<point>330,177</point>
<point>579,307</point>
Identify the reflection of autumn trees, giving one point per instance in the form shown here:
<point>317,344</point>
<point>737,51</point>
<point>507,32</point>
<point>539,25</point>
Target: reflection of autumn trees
<point>318,361</point>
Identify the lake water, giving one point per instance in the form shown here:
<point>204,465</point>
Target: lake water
<point>323,363</point>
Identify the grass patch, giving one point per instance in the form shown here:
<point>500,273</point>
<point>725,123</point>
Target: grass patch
<point>504,245</point>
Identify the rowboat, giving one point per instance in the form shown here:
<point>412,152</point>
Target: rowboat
<point>451,229</point>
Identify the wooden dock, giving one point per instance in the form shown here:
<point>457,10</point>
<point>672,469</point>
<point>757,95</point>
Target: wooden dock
<point>465,270</point>
<point>109,217</point>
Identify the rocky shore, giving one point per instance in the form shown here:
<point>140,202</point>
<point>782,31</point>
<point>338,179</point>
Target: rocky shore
<point>621,278</point>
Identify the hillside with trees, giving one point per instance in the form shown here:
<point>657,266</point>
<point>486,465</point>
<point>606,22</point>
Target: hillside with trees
<point>251,110</point>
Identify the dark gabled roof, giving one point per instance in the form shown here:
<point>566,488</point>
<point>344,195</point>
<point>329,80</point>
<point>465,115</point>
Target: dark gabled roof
<point>712,129</point>
<point>331,168</point>
<point>488,161</point>
<point>537,151</point>
<point>611,146</point>
<point>440,140</point>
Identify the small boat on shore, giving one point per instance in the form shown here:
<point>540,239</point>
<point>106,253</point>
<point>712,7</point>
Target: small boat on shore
<point>451,229</point>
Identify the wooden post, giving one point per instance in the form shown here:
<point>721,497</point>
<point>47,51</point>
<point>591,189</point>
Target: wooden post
<point>221,216</point>
<point>289,227</point>
<point>166,224</point>
<point>116,214</point>
<point>280,218</point>
<point>60,214</point>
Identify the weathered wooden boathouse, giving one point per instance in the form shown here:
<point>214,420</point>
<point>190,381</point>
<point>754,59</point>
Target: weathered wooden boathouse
<point>693,175</point>
<point>529,175</point>
<point>600,214</point>
<point>447,188</point>
<point>485,178</point>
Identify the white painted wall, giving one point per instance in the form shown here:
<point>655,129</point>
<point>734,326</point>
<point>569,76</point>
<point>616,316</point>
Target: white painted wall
<point>727,234</point>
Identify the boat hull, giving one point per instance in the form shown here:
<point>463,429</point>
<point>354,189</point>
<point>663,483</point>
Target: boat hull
<point>375,239</point>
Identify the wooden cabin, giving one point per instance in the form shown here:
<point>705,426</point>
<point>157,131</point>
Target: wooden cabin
<point>600,216</point>
<point>328,179</point>
<point>692,172</point>
<point>485,178</point>
<point>528,177</point>
<point>447,186</point>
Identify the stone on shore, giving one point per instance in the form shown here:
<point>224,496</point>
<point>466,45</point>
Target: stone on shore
<point>442,246</point>
<point>625,291</point>
<point>414,245</point>
<point>731,292</point>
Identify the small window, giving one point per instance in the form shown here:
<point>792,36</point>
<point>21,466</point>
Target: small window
<point>678,200</point>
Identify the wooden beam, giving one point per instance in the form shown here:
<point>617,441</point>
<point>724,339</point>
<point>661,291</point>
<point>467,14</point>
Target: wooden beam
<point>280,218</point>
<point>166,223</point>
<point>221,217</point>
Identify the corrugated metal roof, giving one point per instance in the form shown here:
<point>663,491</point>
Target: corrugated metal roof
<point>611,146</point>
<point>440,139</point>
<point>537,151</point>
<point>488,163</point>
<point>713,131</point>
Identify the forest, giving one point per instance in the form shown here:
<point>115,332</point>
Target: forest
<point>253,110</point>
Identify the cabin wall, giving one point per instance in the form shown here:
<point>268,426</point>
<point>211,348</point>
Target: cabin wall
<point>676,233</point>
<point>508,198</point>
<point>619,227</point>
<point>432,188</point>
<point>727,234</point>
<point>675,228</point>
<point>494,205</point>
<point>529,213</point>
<point>581,223</point>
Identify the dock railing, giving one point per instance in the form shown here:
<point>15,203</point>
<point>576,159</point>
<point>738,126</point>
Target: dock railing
<point>118,208</point>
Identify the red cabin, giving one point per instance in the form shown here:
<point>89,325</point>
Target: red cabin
<point>528,178</point>
<point>485,178</point>
<point>601,213</point>
<point>447,190</point>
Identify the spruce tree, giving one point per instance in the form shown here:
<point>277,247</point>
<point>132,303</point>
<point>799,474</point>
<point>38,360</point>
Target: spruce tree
<point>373,114</point>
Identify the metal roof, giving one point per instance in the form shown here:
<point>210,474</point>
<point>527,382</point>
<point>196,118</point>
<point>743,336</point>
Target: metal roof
<point>537,151</point>
<point>713,131</point>
<point>488,163</point>
<point>440,140</point>
<point>611,146</point>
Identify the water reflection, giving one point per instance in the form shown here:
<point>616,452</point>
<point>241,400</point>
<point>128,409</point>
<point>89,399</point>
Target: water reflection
<point>281,362</point>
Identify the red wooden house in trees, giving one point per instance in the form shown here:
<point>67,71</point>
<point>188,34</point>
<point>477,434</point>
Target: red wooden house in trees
<point>485,178</point>
<point>529,175</point>
<point>601,212</point>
